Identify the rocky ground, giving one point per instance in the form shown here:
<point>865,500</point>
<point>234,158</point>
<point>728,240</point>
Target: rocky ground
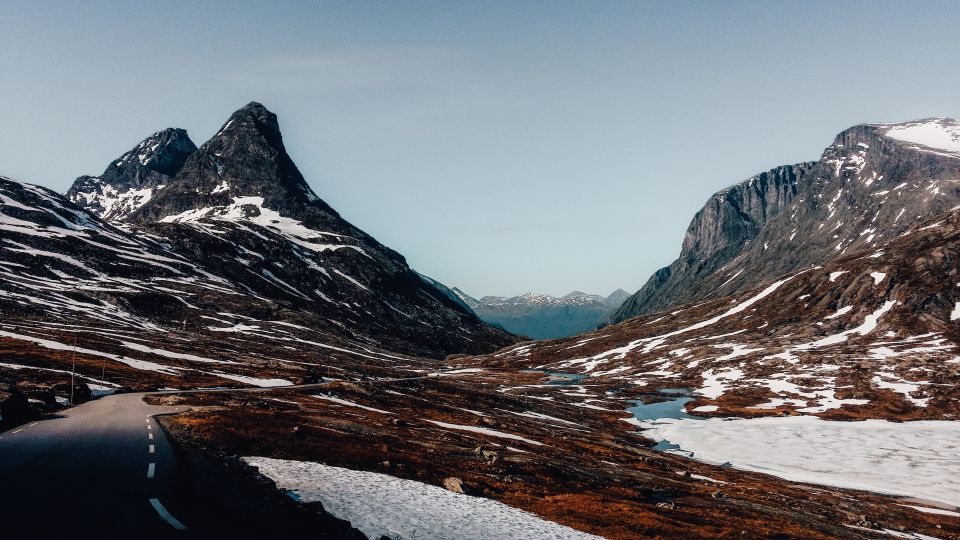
<point>519,438</point>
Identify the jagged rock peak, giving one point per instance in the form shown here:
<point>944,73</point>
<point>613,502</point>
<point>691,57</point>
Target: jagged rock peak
<point>131,180</point>
<point>254,116</point>
<point>244,163</point>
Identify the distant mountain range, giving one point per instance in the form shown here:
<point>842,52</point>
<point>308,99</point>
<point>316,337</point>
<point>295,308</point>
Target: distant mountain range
<point>541,316</point>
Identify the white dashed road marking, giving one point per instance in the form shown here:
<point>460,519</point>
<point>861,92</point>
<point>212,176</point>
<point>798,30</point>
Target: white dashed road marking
<point>151,449</point>
<point>166,515</point>
<point>150,436</point>
<point>18,431</point>
<point>151,469</point>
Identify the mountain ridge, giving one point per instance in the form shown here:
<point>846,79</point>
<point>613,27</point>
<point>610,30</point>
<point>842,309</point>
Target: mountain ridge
<point>871,174</point>
<point>132,180</point>
<point>542,316</point>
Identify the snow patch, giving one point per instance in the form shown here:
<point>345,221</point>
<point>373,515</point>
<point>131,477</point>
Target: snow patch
<point>382,505</point>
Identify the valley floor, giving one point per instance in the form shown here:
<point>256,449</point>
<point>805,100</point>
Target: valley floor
<point>561,452</point>
<point>559,447</point>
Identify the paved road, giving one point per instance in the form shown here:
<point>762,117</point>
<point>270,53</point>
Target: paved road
<point>104,468</point>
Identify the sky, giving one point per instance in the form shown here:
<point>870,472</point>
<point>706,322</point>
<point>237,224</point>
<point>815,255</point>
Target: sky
<point>502,147</point>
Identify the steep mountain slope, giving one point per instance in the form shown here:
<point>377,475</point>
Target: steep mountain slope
<point>541,316</point>
<point>871,334</point>
<point>61,263</point>
<point>239,208</point>
<point>135,177</point>
<point>872,184</point>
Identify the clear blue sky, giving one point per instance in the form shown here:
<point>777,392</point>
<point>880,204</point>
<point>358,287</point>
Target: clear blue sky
<point>502,147</point>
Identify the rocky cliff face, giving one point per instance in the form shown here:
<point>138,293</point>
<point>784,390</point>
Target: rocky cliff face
<point>239,208</point>
<point>133,179</point>
<point>870,185</point>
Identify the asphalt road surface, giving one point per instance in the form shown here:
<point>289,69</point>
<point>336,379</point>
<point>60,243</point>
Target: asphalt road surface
<point>104,468</point>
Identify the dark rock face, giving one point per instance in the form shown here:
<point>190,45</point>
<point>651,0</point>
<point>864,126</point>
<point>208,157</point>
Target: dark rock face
<point>542,316</point>
<point>241,212</point>
<point>245,158</point>
<point>135,177</point>
<point>868,187</point>
<point>717,234</point>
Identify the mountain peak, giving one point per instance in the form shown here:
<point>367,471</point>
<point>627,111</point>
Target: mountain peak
<point>616,298</point>
<point>245,163</point>
<point>254,115</point>
<point>131,180</point>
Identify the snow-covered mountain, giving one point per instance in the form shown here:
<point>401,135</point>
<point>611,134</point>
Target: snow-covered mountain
<point>871,185</point>
<point>229,227</point>
<point>542,316</point>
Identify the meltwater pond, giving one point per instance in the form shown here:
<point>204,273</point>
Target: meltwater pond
<point>673,408</point>
<point>559,378</point>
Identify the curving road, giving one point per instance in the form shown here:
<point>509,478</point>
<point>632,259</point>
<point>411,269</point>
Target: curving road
<point>104,468</point>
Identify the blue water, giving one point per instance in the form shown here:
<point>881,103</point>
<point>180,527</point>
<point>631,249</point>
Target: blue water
<point>671,408</point>
<point>560,378</point>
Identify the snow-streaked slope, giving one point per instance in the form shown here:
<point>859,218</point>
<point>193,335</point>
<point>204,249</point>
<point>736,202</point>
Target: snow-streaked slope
<point>239,208</point>
<point>872,184</point>
<point>382,505</point>
<point>132,180</point>
<point>866,336</point>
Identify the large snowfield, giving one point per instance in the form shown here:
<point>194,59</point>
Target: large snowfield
<point>916,459</point>
<point>380,504</point>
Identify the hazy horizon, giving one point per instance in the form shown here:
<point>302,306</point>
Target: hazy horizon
<point>501,149</point>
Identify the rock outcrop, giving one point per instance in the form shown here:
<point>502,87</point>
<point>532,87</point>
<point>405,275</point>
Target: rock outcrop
<point>872,184</point>
<point>132,180</point>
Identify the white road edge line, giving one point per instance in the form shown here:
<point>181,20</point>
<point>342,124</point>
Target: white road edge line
<point>151,449</point>
<point>174,522</point>
<point>151,470</point>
